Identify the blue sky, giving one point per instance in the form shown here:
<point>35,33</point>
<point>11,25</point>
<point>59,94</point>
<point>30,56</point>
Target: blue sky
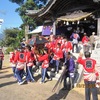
<point>10,17</point>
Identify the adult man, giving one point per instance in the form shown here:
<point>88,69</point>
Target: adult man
<point>75,37</point>
<point>70,66</point>
<point>90,75</point>
<point>1,58</point>
<point>92,41</point>
<point>85,41</point>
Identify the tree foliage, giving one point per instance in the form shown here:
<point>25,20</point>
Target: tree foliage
<point>28,5</point>
<point>19,2</point>
<point>13,37</point>
<point>39,3</point>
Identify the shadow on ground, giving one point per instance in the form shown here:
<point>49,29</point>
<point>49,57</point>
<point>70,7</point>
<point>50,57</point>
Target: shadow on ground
<point>6,76</point>
<point>3,68</point>
<point>61,95</point>
<point>37,77</point>
<point>7,83</point>
<point>3,72</point>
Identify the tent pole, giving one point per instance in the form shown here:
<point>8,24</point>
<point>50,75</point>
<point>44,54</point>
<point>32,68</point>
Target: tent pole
<point>98,26</point>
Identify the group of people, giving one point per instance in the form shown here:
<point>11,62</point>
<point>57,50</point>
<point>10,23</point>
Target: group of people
<point>55,51</point>
<point>87,42</point>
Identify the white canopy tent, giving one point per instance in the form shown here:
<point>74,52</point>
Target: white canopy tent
<point>37,30</point>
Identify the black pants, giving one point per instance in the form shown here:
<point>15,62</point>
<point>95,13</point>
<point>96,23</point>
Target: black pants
<point>0,64</point>
<point>68,84</point>
<point>77,49</point>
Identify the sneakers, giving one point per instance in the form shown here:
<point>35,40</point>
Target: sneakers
<point>42,82</point>
<point>20,83</point>
<point>56,72</point>
<point>33,81</point>
<point>64,88</point>
<point>50,79</point>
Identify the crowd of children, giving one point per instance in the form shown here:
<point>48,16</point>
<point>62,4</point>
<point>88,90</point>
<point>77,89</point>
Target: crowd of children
<point>54,51</point>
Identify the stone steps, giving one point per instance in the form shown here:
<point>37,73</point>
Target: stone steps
<point>55,76</point>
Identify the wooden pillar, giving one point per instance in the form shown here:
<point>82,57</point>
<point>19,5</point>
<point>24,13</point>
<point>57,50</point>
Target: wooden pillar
<point>26,32</point>
<point>54,27</point>
<point>98,26</point>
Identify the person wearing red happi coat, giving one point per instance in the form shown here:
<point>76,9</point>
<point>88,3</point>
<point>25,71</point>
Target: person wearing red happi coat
<point>67,48</point>
<point>29,64</point>
<point>45,64</point>
<point>58,54</point>
<point>12,64</point>
<point>20,60</point>
<point>85,43</point>
<point>90,75</point>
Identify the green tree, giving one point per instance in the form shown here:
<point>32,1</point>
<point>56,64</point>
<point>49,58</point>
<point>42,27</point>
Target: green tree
<point>39,3</point>
<point>12,37</point>
<point>28,22</point>
<point>19,2</point>
<point>28,5</point>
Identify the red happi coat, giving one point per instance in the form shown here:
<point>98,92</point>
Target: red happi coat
<point>58,54</point>
<point>90,74</point>
<point>1,55</point>
<point>70,46</point>
<point>50,46</point>
<point>12,56</point>
<point>62,44</point>
<point>67,46</point>
<point>85,40</point>
<point>20,59</point>
<point>45,59</point>
<point>29,58</point>
<point>58,40</point>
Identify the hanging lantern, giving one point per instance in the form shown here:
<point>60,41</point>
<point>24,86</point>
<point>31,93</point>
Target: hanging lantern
<point>78,22</point>
<point>84,18</point>
<point>64,22</point>
<point>67,23</point>
<point>72,22</point>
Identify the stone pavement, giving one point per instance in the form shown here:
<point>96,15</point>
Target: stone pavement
<point>10,90</point>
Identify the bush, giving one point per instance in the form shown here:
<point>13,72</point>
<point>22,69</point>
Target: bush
<point>8,50</point>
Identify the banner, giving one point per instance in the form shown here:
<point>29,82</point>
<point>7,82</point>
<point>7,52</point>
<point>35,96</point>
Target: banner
<point>46,30</point>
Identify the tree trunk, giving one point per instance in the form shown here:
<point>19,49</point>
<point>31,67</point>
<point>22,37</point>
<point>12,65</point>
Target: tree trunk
<point>26,32</point>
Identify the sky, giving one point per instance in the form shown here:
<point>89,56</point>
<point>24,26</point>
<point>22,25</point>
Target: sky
<point>8,14</point>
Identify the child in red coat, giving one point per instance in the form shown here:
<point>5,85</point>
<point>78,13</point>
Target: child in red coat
<point>12,64</point>
<point>29,64</point>
<point>58,54</point>
<point>45,65</point>
<point>20,60</point>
